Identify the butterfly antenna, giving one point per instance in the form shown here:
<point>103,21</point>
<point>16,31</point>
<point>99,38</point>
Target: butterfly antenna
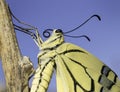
<point>85,36</point>
<point>84,23</point>
<point>81,26</point>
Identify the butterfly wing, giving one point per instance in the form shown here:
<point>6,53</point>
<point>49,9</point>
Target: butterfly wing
<point>79,71</point>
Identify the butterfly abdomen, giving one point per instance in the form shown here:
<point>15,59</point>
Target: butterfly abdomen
<point>42,76</point>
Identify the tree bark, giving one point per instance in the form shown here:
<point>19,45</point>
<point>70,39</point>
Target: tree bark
<point>16,70</point>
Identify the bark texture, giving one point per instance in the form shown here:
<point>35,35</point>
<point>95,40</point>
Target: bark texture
<point>16,70</point>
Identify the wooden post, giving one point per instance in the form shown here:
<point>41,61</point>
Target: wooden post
<point>13,63</point>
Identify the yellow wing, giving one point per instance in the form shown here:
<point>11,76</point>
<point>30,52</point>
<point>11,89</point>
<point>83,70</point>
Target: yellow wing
<point>79,71</point>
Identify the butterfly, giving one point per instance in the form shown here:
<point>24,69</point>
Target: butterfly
<point>77,70</point>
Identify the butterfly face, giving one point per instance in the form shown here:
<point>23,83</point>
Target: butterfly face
<point>55,39</point>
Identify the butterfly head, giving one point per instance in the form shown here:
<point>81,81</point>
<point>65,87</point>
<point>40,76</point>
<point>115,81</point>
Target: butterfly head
<point>55,37</point>
<point>47,33</point>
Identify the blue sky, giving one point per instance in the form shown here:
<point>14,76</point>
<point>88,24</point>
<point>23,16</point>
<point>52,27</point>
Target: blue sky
<point>67,14</point>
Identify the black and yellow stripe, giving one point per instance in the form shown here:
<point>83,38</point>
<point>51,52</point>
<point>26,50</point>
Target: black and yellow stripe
<point>43,76</point>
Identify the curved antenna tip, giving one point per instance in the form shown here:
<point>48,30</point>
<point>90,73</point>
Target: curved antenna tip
<point>87,38</point>
<point>95,15</point>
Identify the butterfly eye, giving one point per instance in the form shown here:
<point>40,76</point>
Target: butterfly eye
<point>58,31</point>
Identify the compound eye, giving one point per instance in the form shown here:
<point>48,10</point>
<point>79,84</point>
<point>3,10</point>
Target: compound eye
<point>58,31</point>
